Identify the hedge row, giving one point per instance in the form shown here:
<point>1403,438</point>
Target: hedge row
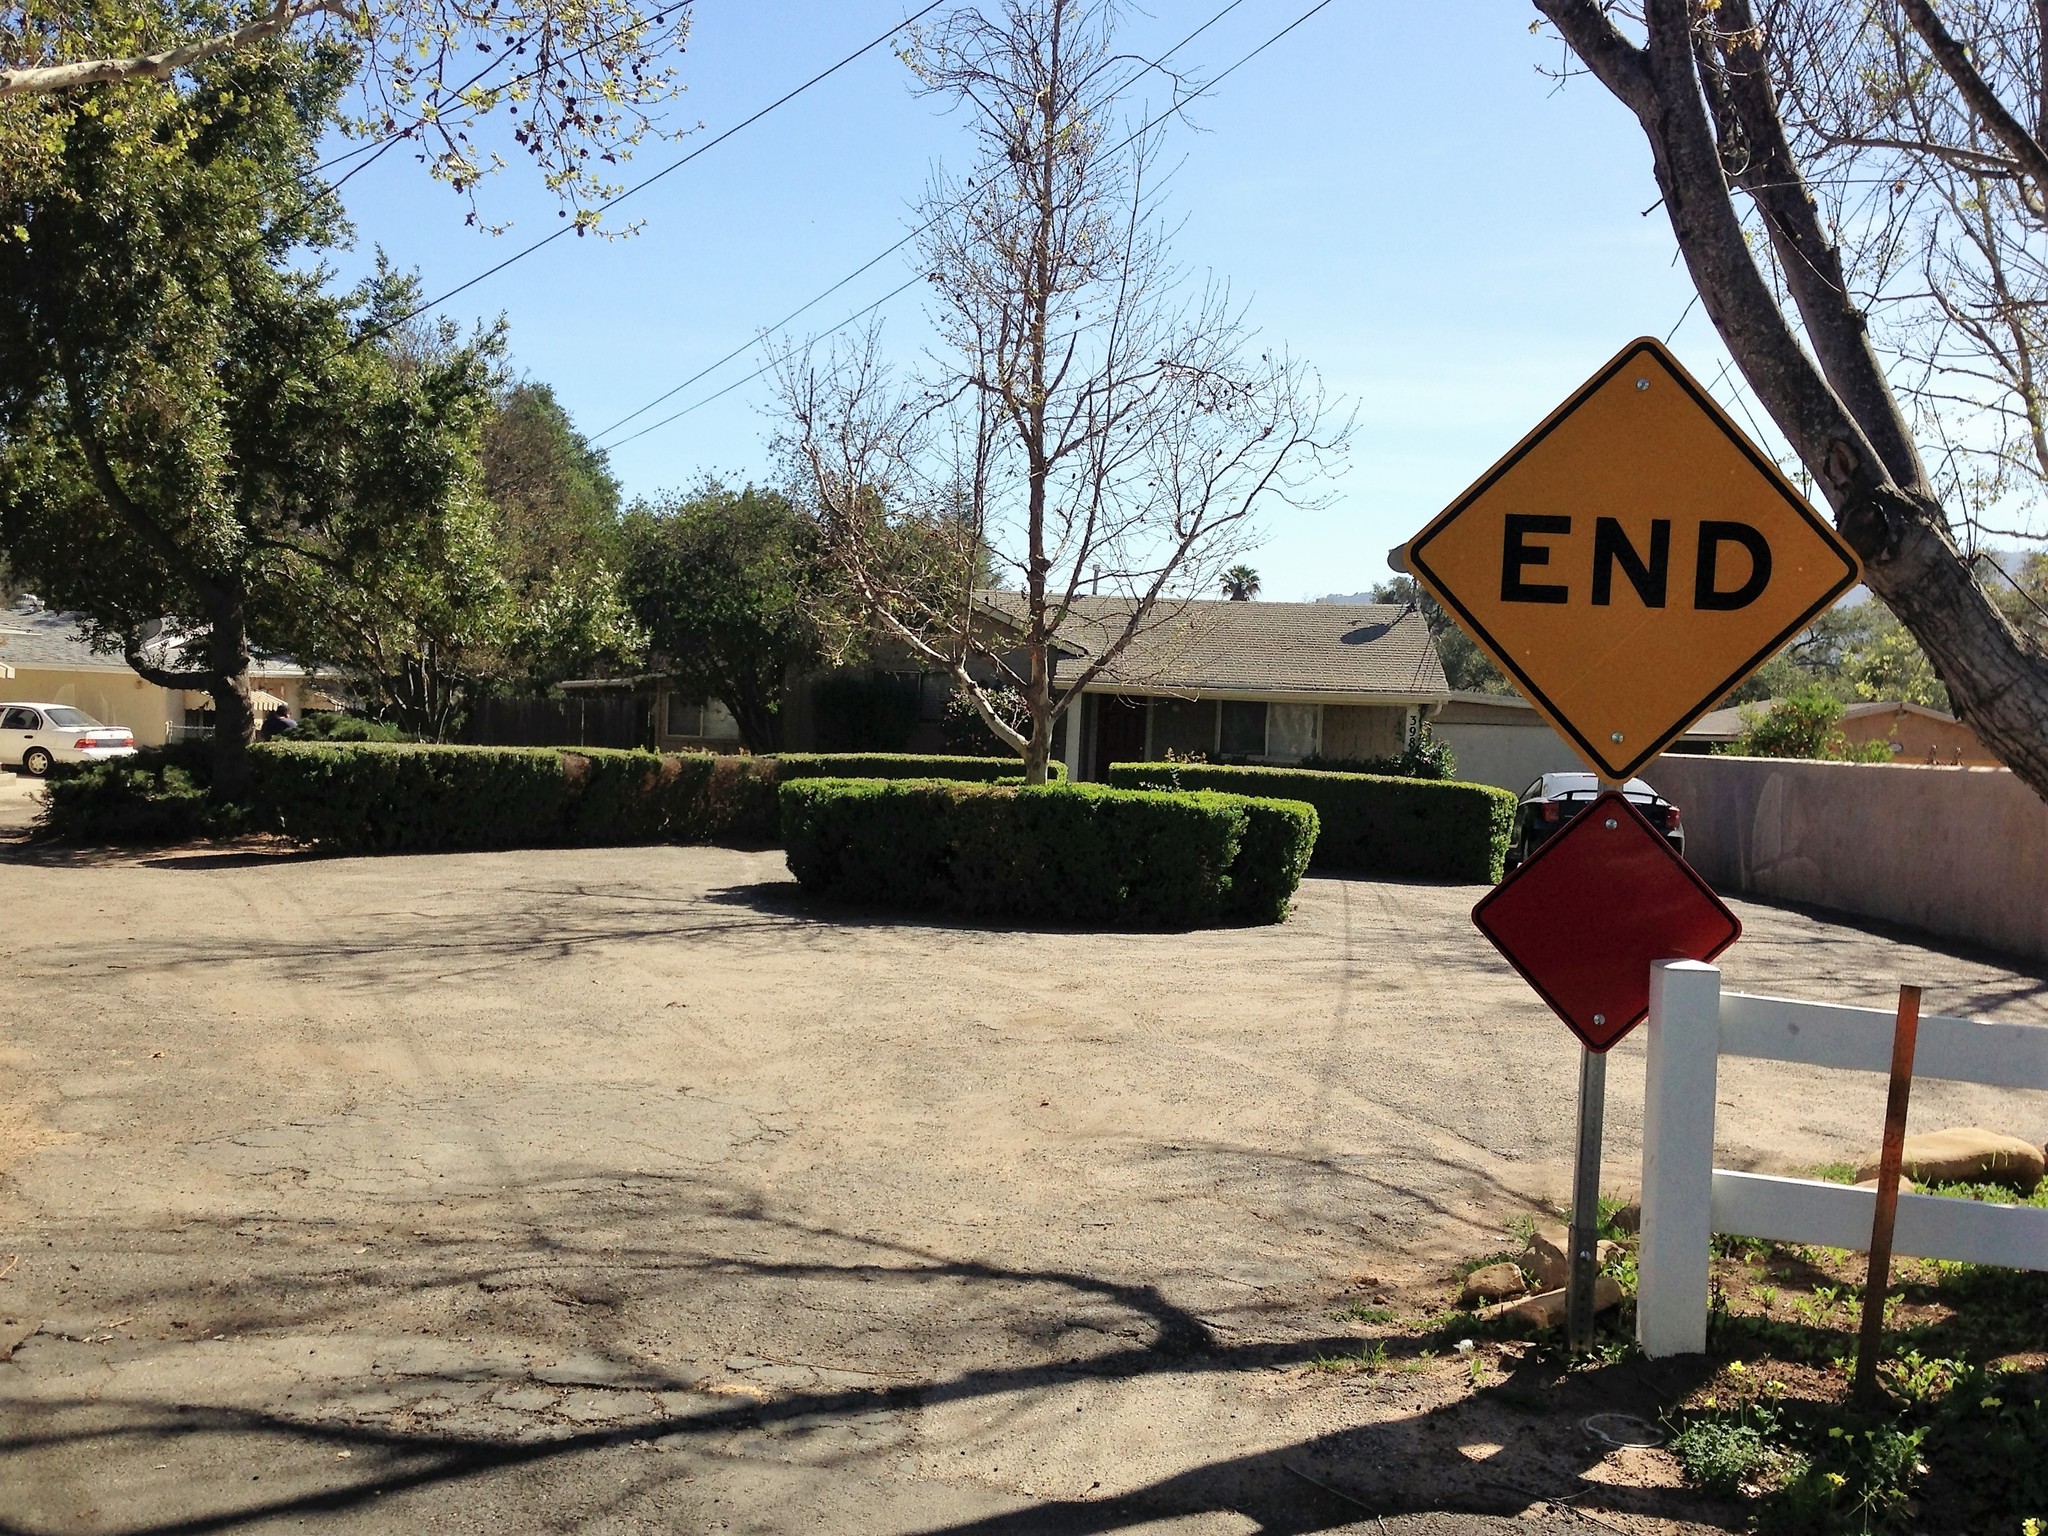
<point>1067,853</point>
<point>1404,828</point>
<point>383,798</point>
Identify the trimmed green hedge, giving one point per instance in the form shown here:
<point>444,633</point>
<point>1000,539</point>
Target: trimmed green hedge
<point>378,797</point>
<point>1404,828</point>
<point>1069,853</point>
<point>392,797</point>
<point>904,765</point>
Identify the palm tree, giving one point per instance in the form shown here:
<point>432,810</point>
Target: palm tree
<point>1240,583</point>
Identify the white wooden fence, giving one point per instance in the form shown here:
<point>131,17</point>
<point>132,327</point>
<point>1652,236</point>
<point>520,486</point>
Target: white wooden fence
<point>1686,1199</point>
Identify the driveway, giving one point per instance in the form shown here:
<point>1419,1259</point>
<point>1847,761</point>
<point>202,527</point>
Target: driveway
<point>623,1190</point>
<point>21,799</point>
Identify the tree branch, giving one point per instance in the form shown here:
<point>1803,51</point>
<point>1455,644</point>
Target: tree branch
<point>1615,62</point>
<point>44,79</point>
<point>1954,60</point>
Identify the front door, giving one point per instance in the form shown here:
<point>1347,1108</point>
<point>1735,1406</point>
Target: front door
<point>1119,733</point>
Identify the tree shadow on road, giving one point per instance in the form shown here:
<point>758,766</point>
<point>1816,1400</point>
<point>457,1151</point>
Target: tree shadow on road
<point>1512,1444</point>
<point>1515,1440</point>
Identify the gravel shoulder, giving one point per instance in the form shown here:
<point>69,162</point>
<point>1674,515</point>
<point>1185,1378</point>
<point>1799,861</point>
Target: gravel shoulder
<point>613,1188</point>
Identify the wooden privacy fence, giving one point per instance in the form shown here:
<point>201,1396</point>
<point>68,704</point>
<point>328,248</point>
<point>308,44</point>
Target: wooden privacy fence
<point>1686,1199</point>
<point>577,721</point>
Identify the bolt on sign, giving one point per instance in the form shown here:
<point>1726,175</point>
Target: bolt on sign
<point>1631,560</point>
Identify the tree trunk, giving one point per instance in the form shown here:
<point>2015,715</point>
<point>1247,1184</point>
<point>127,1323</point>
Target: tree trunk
<point>1832,403</point>
<point>1038,751</point>
<point>234,717</point>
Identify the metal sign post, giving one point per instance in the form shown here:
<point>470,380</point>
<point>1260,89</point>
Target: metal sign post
<point>1585,1228</point>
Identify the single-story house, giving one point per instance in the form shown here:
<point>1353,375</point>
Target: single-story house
<point>1247,681</point>
<point>45,658</point>
<point>1916,733</point>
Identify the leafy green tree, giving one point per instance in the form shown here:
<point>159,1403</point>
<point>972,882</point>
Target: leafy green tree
<point>578,83</point>
<point>191,442</point>
<point>506,582</point>
<point>1805,724</point>
<point>727,584</point>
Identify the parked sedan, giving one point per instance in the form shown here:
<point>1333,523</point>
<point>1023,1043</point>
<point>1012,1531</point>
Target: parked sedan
<point>1552,801</point>
<point>33,736</point>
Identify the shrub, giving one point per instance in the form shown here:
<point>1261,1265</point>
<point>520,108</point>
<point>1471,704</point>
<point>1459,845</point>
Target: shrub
<point>332,725</point>
<point>371,797</point>
<point>903,765</point>
<point>1068,853</point>
<point>1424,756</point>
<point>160,795</point>
<point>860,714</point>
<point>1279,837</point>
<point>377,797</point>
<point>1805,723</point>
<point>1402,828</point>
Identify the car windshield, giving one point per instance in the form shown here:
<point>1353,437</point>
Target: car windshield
<point>67,719</point>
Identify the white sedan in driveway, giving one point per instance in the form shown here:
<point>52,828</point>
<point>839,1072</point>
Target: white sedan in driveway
<point>33,736</point>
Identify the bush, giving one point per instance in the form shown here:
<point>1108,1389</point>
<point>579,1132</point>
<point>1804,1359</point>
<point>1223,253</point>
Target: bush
<point>903,765</point>
<point>160,795</point>
<point>385,797</point>
<point>1424,756</point>
<point>376,797</point>
<point>1806,723</point>
<point>1068,853</point>
<point>1401,828</point>
<point>860,714</point>
<point>332,725</point>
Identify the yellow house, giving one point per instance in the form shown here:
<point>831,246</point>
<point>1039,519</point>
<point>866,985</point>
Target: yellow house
<point>44,659</point>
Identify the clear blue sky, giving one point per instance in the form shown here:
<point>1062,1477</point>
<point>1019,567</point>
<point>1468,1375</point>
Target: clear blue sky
<point>1397,192</point>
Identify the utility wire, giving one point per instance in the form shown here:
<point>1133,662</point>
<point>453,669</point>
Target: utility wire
<point>873,262</point>
<point>641,186</point>
<point>1132,138</point>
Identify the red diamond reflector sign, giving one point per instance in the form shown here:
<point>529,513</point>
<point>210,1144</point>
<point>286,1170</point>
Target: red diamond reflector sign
<point>1585,918</point>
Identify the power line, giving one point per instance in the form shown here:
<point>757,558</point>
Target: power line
<point>1135,135</point>
<point>873,262</point>
<point>641,186</point>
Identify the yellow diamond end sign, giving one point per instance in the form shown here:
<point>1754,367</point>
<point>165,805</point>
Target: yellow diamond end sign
<point>1631,560</point>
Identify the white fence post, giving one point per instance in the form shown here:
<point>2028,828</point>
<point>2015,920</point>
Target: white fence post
<point>1678,1158</point>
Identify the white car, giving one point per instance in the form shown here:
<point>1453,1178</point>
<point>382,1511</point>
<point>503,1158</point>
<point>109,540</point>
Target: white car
<point>33,736</point>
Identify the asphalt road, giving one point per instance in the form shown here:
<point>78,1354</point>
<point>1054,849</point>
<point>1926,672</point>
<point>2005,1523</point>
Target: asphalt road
<point>621,1190</point>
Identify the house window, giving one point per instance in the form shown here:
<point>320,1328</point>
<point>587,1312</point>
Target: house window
<point>1292,731</point>
<point>934,691</point>
<point>684,717</point>
<point>1243,729</point>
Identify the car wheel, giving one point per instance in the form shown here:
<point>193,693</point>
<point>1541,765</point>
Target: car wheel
<point>35,762</point>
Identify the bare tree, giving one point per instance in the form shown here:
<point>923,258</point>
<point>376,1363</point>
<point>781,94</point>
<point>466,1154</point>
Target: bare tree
<point>1879,280</point>
<point>1093,422</point>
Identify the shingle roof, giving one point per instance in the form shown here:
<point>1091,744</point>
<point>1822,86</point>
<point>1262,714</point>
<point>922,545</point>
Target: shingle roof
<point>48,639</point>
<point>1214,646</point>
<point>45,639</point>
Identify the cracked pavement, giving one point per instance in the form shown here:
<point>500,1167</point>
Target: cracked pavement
<point>608,1190</point>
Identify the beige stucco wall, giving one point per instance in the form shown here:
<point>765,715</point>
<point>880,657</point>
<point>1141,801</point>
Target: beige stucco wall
<point>114,698</point>
<point>1961,852</point>
<point>1508,754</point>
<point>1363,730</point>
<point>1921,739</point>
